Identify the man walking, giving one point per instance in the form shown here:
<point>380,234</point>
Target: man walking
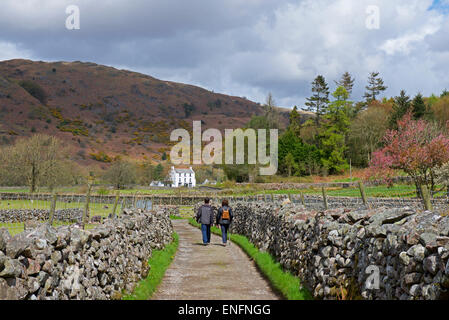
<point>205,216</point>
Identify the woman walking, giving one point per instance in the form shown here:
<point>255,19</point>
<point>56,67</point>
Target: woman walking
<point>224,219</point>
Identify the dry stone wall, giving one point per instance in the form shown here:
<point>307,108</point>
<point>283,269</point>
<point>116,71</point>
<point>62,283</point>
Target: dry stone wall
<point>71,263</point>
<point>20,215</point>
<point>383,253</point>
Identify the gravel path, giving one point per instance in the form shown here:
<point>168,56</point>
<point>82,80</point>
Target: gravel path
<point>210,273</point>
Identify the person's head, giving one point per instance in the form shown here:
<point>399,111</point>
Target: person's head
<point>225,203</point>
<point>206,201</point>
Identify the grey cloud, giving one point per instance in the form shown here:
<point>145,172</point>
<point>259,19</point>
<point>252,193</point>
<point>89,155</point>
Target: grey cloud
<point>245,48</point>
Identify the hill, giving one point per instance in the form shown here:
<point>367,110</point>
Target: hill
<point>102,112</point>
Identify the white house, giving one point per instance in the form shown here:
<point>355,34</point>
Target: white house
<point>157,184</point>
<point>182,177</point>
<point>212,183</point>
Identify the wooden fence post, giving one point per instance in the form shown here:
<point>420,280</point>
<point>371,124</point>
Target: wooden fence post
<point>86,207</point>
<point>363,194</point>
<point>134,200</point>
<point>303,201</point>
<point>426,198</point>
<point>52,208</point>
<point>323,189</point>
<point>117,197</point>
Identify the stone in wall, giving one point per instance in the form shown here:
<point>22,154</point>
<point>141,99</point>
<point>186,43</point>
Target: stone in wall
<point>21,215</point>
<point>336,251</point>
<point>63,263</point>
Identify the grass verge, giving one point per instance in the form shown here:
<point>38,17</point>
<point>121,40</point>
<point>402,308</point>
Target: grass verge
<point>283,282</point>
<point>159,262</point>
<point>173,217</point>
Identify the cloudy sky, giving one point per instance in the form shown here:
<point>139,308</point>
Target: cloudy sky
<point>242,47</point>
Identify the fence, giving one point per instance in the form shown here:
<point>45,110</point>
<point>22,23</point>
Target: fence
<point>21,211</point>
<point>359,199</point>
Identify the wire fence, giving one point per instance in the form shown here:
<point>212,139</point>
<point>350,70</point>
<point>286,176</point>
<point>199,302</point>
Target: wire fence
<point>19,212</point>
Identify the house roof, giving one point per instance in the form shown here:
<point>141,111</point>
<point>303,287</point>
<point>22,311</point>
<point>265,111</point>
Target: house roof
<point>178,170</point>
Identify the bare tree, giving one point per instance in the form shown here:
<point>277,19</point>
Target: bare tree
<point>35,161</point>
<point>121,173</point>
<point>366,133</point>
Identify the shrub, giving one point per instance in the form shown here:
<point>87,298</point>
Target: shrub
<point>101,156</point>
<point>35,90</point>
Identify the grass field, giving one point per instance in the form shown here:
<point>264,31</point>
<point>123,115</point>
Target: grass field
<point>402,191</point>
<point>15,228</point>
<point>159,262</point>
<point>232,189</point>
<point>283,282</point>
<point>96,209</point>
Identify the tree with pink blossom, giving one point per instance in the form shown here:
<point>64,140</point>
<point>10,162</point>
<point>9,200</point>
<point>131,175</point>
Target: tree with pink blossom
<point>416,147</point>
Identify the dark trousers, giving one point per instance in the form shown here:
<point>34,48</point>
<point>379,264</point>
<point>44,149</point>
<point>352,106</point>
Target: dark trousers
<point>205,230</point>
<point>224,232</point>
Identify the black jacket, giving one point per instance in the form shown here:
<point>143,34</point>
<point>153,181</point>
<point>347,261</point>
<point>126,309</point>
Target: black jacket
<point>220,213</point>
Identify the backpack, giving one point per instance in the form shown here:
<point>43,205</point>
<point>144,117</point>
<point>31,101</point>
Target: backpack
<point>225,215</point>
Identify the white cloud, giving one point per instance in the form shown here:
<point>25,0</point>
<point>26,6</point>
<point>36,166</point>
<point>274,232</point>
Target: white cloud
<point>10,50</point>
<point>404,44</point>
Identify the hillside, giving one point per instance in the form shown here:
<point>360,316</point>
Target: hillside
<point>105,111</point>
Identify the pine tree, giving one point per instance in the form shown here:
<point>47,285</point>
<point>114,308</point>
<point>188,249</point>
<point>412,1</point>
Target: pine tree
<point>295,121</point>
<point>333,137</point>
<point>320,98</point>
<point>374,88</point>
<point>419,107</point>
<point>401,106</point>
<point>346,81</point>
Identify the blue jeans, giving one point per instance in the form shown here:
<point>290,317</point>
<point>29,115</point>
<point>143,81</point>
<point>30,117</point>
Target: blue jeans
<point>224,232</point>
<point>205,230</point>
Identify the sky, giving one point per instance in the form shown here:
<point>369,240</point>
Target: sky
<point>244,48</point>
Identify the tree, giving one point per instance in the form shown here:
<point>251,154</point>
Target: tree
<point>36,161</point>
<point>271,114</point>
<point>416,147</point>
<point>306,157</point>
<point>442,176</point>
<point>121,173</point>
<point>290,163</point>
<point>419,107</point>
<point>374,88</point>
<point>320,98</point>
<point>440,111</point>
<point>295,121</point>
<point>401,106</point>
<point>158,173</point>
<point>347,82</point>
<point>145,173</point>
<point>334,134</point>
<point>366,133</point>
